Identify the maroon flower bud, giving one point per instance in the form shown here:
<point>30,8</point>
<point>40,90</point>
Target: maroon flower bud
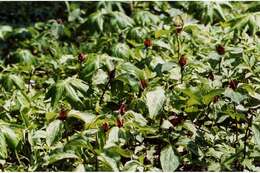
<point>220,49</point>
<point>143,84</point>
<point>178,28</point>
<point>147,43</point>
<point>120,122</point>
<point>183,61</point>
<point>34,51</point>
<point>175,119</point>
<point>215,99</point>
<point>105,127</point>
<point>122,108</point>
<point>81,57</point>
<point>63,115</point>
<point>78,125</point>
<point>112,74</point>
<point>59,21</point>
<point>211,76</point>
<point>233,84</point>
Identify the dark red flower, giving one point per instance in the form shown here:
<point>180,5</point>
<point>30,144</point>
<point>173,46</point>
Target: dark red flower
<point>63,115</point>
<point>175,119</point>
<point>122,108</point>
<point>211,76</point>
<point>78,125</point>
<point>183,61</point>
<point>105,126</point>
<point>220,49</point>
<point>215,99</point>
<point>147,43</point>
<point>178,28</point>
<point>59,21</point>
<point>143,84</point>
<point>233,84</point>
<point>81,57</point>
<point>112,74</point>
<point>120,122</point>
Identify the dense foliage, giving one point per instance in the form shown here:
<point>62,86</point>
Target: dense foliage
<point>130,86</point>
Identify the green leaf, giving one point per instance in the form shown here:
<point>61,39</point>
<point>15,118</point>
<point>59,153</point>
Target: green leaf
<point>3,147</point>
<point>154,101</point>
<point>78,143</point>
<point>121,50</point>
<point>162,44</point>
<point>209,97</point>
<point>53,132</point>
<point>18,82</point>
<point>161,33</point>
<point>71,93</point>
<point>89,67</point>
<point>56,93</point>
<point>24,56</point>
<point>113,136</point>
<point>120,151</point>
<point>80,168</point>
<point>98,18</point>
<point>60,156</point>
<point>109,161</point>
<point>136,117</point>
<point>88,118</point>
<point>234,96</point>
<point>122,20</point>
<point>131,166</point>
<point>169,161</point>
<point>73,15</point>
<point>256,130</point>
<point>79,85</point>
<point>10,136</point>
<point>131,69</point>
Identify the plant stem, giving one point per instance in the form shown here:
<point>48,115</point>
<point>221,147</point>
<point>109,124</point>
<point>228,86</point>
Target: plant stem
<point>80,68</point>
<point>96,159</point>
<point>182,69</point>
<point>29,82</point>
<point>247,134</point>
<point>178,41</point>
<point>236,132</point>
<point>18,159</point>
<point>104,91</point>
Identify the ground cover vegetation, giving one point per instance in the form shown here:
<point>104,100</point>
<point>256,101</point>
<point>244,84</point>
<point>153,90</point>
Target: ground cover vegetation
<point>130,86</point>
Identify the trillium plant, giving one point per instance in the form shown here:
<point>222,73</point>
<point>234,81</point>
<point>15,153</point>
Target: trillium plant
<point>130,86</point>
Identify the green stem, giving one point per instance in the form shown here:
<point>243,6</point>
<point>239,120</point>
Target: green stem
<point>104,91</point>
<point>179,47</point>
<point>29,82</point>
<point>96,159</point>
<point>19,161</point>
<point>247,135</point>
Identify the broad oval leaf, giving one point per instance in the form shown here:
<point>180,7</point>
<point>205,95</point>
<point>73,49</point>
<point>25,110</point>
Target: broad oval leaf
<point>121,50</point>
<point>154,101</point>
<point>169,161</point>
<point>53,132</point>
<point>84,116</point>
<point>109,161</point>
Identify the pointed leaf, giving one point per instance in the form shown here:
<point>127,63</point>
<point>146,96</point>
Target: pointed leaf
<point>53,132</point>
<point>169,161</point>
<point>10,136</point>
<point>60,156</point>
<point>154,101</point>
<point>3,147</point>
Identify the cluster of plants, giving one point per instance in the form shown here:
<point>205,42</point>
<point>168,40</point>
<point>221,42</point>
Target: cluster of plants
<point>130,86</point>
